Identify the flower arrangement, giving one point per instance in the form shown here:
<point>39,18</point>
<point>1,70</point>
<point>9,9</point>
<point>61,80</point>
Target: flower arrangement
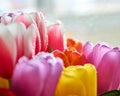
<point>36,60</point>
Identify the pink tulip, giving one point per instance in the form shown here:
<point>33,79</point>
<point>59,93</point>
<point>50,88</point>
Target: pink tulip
<point>38,76</point>
<point>55,38</point>
<point>38,20</point>
<point>35,18</point>
<point>107,62</point>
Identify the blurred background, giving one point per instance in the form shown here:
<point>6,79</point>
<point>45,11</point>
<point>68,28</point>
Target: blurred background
<point>85,20</point>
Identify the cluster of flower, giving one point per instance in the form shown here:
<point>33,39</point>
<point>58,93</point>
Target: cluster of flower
<point>36,60</point>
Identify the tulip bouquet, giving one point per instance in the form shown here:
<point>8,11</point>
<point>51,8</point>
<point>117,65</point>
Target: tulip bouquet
<point>37,60</point>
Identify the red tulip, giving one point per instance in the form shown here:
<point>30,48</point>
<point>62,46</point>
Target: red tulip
<point>55,38</point>
<point>22,35</point>
<point>8,52</point>
<point>6,92</point>
<point>15,41</point>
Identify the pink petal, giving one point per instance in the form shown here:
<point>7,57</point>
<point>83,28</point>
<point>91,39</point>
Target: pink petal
<point>98,52</point>
<point>87,49</point>
<point>29,77</point>
<point>116,78</point>
<point>18,30</point>
<point>56,67</point>
<point>30,41</point>
<point>55,38</point>
<point>107,70</point>
<point>28,19</point>
<point>35,16</point>
<point>40,21</point>
<point>23,18</point>
<point>39,75</point>
<point>8,52</point>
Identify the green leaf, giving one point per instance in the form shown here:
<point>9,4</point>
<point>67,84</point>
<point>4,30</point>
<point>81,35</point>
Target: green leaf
<point>112,93</point>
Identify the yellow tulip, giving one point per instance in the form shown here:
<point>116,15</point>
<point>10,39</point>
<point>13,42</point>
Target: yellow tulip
<point>4,83</point>
<point>77,81</point>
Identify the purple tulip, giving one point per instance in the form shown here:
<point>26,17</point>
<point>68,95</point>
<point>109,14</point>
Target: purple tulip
<point>38,76</point>
<point>107,62</point>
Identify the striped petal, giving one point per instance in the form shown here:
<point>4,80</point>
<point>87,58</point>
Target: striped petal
<point>18,30</point>
<point>8,52</point>
<point>30,41</point>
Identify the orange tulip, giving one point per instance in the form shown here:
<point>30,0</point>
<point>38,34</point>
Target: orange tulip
<point>70,57</point>
<point>72,43</point>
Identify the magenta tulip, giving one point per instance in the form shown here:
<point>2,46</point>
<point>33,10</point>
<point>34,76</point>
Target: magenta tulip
<point>55,38</point>
<point>107,62</point>
<point>38,76</point>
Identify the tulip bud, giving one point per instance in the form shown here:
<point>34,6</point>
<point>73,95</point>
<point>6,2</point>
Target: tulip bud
<point>77,81</point>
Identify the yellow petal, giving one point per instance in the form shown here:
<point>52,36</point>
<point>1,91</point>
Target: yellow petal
<point>92,78</point>
<point>74,81</point>
<point>4,83</point>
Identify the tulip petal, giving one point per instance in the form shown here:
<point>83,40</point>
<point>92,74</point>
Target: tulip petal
<point>40,75</point>
<point>27,20</point>
<point>30,41</point>
<point>33,74</point>
<point>76,58</point>
<point>56,66</point>
<point>61,55</point>
<point>42,30</point>
<point>8,52</point>
<point>92,78</point>
<point>18,30</point>
<point>6,92</point>
<point>71,82</point>
<point>77,81</point>
<point>23,18</point>
<point>87,50</point>
<point>116,78</point>
<point>76,45</point>
<point>4,83</point>
<point>106,70</point>
<point>55,38</point>
<point>98,52</point>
